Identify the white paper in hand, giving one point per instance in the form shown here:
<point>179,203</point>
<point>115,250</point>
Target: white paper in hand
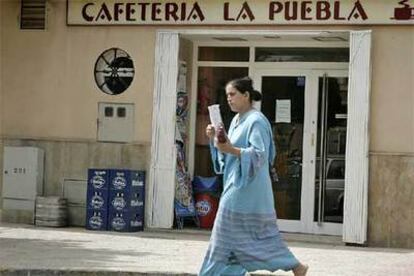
<point>215,116</point>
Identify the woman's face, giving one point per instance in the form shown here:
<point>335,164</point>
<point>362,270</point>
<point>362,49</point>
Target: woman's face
<point>237,101</point>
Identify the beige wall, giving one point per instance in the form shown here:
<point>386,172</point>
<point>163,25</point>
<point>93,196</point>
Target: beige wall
<point>391,189</point>
<point>392,98</point>
<point>391,204</point>
<point>50,86</point>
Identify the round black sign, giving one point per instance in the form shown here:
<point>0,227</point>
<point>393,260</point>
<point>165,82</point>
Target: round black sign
<point>114,71</point>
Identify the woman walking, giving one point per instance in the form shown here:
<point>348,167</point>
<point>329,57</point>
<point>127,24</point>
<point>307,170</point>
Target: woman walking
<point>245,235</point>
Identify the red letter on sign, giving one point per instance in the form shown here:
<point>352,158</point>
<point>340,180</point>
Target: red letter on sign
<point>143,10</point>
<point>245,12</point>
<point>117,11</point>
<point>196,13</point>
<point>305,10</point>
<point>294,15</point>
<point>155,11</point>
<point>226,12</point>
<point>129,11</point>
<point>104,13</point>
<point>274,7</point>
<point>323,7</point>
<point>358,11</point>
<point>171,10</point>
<point>85,14</point>
<point>337,9</point>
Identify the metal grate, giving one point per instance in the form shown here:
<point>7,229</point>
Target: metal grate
<point>33,14</point>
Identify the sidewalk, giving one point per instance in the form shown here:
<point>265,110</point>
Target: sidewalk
<point>30,250</point>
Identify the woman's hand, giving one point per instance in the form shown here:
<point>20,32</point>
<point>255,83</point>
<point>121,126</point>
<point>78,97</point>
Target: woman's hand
<point>210,132</point>
<point>227,147</point>
<point>223,147</point>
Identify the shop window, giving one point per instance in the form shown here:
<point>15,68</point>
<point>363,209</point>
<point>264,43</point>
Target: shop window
<point>271,54</point>
<point>223,54</point>
<point>33,14</point>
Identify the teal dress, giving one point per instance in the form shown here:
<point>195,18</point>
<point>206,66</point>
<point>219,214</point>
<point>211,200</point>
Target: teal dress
<point>245,236</point>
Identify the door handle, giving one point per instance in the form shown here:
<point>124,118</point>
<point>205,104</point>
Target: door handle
<point>313,139</point>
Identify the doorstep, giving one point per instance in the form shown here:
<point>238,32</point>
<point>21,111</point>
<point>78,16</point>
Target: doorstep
<point>288,237</point>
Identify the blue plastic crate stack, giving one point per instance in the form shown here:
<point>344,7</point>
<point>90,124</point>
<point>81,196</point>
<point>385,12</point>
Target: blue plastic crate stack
<point>97,199</point>
<point>116,200</point>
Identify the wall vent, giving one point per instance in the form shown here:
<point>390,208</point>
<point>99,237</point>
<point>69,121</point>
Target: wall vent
<point>33,14</point>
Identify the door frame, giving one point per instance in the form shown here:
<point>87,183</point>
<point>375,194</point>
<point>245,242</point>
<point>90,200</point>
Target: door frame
<point>161,192</point>
<point>313,227</point>
<point>311,74</point>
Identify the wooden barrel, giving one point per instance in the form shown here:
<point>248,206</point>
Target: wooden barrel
<point>51,211</point>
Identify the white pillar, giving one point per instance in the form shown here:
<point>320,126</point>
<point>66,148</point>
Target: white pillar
<point>357,147</point>
<point>161,186</point>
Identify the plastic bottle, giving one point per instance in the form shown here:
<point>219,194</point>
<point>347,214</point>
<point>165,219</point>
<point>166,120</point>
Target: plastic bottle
<point>221,134</point>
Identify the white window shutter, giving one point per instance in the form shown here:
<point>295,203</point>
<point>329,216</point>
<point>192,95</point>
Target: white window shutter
<point>160,207</point>
<point>357,147</point>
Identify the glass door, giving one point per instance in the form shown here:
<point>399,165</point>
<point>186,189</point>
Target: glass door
<point>330,151</point>
<point>283,103</point>
<point>307,110</point>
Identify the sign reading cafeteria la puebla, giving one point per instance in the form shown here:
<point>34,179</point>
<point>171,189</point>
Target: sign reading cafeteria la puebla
<point>253,12</point>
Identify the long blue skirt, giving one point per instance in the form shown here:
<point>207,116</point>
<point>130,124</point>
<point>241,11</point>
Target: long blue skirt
<point>243,242</point>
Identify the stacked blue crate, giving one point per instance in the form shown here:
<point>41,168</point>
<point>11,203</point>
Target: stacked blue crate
<point>97,199</point>
<point>126,200</point>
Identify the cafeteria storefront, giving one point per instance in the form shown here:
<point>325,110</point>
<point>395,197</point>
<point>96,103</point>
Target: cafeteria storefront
<point>299,84</point>
<point>341,113</point>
